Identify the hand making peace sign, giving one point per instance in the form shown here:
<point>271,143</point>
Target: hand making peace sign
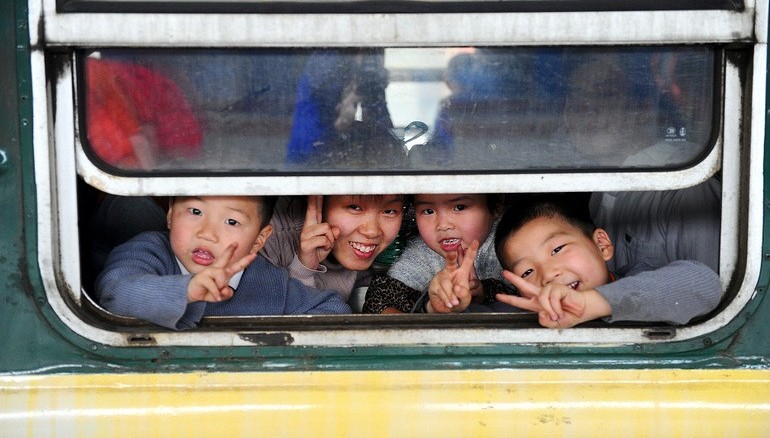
<point>557,305</point>
<point>210,284</point>
<point>318,237</point>
<point>450,290</point>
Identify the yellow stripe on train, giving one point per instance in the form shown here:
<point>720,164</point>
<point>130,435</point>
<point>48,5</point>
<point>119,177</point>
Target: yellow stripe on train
<point>390,403</point>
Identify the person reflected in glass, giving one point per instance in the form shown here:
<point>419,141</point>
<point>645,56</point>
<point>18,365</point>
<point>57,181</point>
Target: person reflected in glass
<point>607,116</point>
<point>136,117</point>
<point>341,119</point>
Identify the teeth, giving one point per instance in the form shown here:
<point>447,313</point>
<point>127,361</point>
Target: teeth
<point>363,248</point>
<point>450,241</point>
<point>203,254</point>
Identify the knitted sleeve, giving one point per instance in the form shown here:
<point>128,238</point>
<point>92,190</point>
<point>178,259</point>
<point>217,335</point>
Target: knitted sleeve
<point>675,294</point>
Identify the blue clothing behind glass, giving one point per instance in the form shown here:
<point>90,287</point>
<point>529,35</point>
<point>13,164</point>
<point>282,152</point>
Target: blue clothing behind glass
<point>142,279</point>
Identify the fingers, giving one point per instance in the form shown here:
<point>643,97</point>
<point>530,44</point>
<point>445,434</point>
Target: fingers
<point>451,261</point>
<point>313,214</point>
<point>239,265</point>
<point>224,260</point>
<point>468,258</point>
<point>525,288</point>
<point>205,287</point>
<point>530,304</point>
<point>550,300</point>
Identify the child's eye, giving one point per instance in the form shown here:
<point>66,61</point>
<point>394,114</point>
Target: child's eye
<point>557,249</point>
<point>527,273</point>
<point>195,211</point>
<point>354,207</point>
<point>460,207</point>
<point>391,212</point>
<point>427,211</point>
<point>232,222</point>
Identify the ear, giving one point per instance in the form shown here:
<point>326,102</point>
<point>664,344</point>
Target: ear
<point>264,233</point>
<point>604,243</point>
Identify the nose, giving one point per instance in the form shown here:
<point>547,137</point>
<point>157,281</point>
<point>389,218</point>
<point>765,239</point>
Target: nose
<point>443,222</point>
<point>207,231</point>
<point>371,227</point>
<point>549,273</point>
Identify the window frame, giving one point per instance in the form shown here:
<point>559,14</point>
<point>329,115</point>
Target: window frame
<point>59,159</point>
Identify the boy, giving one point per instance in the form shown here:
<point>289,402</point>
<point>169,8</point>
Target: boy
<point>206,265</point>
<point>557,259</point>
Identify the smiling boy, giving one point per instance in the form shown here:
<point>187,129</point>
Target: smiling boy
<point>557,259</point>
<point>206,264</point>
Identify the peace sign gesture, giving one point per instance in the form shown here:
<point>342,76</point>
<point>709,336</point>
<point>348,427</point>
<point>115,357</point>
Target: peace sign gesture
<point>210,284</point>
<point>450,288</point>
<point>318,237</point>
<point>557,305</point>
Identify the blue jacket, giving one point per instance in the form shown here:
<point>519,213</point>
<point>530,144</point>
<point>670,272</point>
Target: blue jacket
<point>142,279</point>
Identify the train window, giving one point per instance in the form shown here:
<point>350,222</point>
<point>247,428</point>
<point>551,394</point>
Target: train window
<point>650,98</point>
<point>225,121</point>
<point>396,110</point>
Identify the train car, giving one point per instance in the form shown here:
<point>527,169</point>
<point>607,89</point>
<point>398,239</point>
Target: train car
<point>141,100</point>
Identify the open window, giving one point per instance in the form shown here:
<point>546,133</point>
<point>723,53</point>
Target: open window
<point>149,121</point>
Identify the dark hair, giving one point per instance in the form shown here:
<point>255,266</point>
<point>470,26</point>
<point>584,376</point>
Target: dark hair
<point>266,208</point>
<point>568,207</point>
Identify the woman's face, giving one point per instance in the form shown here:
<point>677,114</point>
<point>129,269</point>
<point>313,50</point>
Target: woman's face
<point>367,224</point>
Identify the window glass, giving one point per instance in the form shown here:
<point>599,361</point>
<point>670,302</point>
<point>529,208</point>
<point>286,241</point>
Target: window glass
<point>290,111</point>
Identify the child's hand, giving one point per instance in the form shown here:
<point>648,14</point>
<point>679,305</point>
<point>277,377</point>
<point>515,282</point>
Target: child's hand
<point>210,284</point>
<point>557,305</point>
<point>477,289</point>
<point>450,288</point>
<point>317,238</point>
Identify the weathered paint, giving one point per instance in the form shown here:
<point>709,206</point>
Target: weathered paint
<point>375,403</point>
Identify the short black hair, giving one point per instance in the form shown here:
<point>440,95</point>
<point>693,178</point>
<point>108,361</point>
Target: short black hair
<point>266,208</point>
<point>572,208</point>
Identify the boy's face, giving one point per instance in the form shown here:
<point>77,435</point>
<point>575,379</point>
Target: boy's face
<point>548,250</point>
<point>367,224</point>
<point>203,227</point>
<point>447,222</point>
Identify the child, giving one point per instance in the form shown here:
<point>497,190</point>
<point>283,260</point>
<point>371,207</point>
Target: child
<point>206,265</point>
<point>330,242</point>
<point>557,260</point>
<point>449,224</point>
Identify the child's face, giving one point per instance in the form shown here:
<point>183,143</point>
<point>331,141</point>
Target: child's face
<point>548,250</point>
<point>203,227</point>
<point>447,222</point>
<point>367,224</point>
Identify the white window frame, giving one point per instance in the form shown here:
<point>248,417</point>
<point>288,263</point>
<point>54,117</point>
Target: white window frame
<point>59,157</point>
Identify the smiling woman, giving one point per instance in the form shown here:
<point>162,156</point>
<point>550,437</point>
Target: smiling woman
<point>330,242</point>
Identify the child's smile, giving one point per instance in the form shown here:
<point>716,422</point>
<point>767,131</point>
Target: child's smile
<point>446,221</point>
<point>450,244</point>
